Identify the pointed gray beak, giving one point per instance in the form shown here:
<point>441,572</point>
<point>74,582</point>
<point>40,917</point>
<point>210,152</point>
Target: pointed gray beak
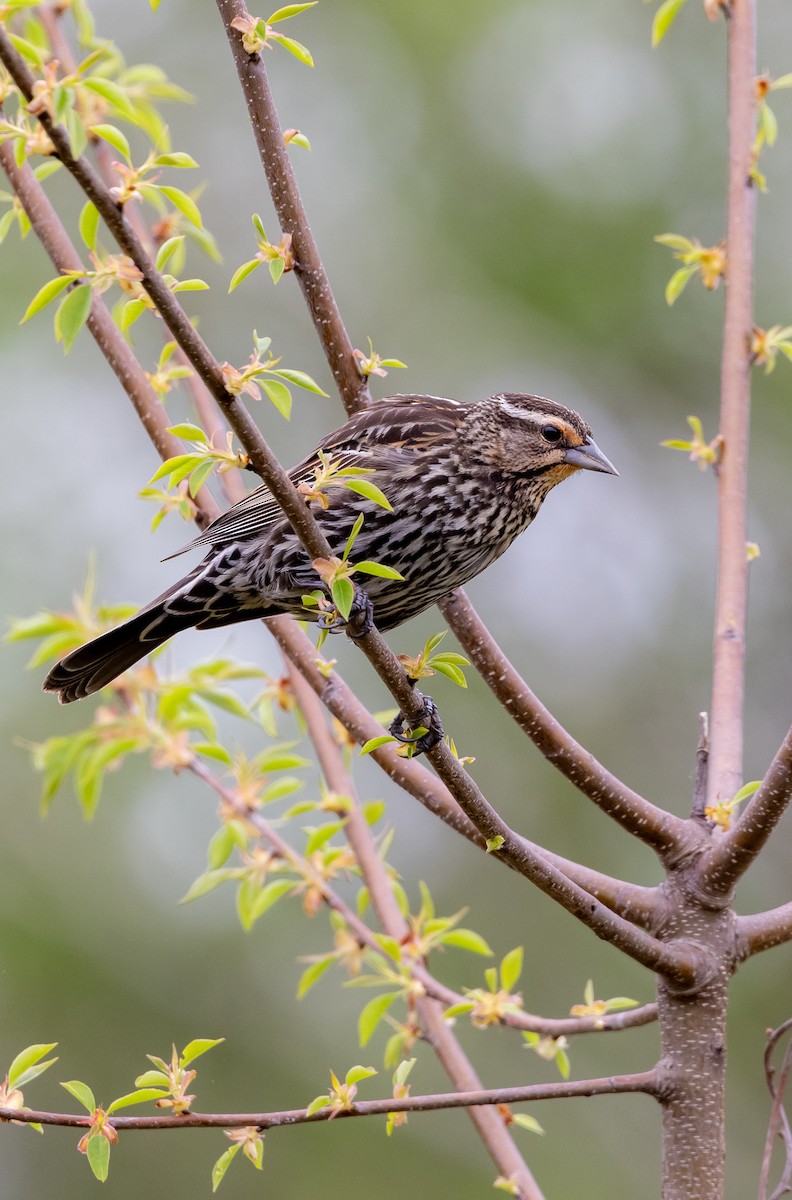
<point>589,457</point>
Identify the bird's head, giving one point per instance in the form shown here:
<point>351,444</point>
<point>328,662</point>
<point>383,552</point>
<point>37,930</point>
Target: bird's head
<point>534,438</point>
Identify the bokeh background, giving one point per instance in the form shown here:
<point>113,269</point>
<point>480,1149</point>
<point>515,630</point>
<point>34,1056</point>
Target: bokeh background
<point>485,184</point>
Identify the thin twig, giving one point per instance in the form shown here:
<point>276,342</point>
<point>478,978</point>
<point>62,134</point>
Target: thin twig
<point>778,1123</point>
<point>702,769</point>
<point>611,1085</point>
<point>286,198</point>
<point>728,675</point>
<point>731,856</point>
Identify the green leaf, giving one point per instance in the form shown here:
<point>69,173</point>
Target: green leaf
<point>157,1079</point>
<point>279,394</point>
<point>197,479</point>
<point>167,251</point>
<point>300,52</point>
<point>300,379</point>
<point>370,491</point>
<point>97,1152</point>
<point>191,285</point>
<point>356,528</point>
<point>225,1160</point>
<point>375,743</point>
<point>355,1074</point>
<point>46,295</point>
<point>109,133</point>
<point>89,224</point>
<point>213,750</point>
<point>664,18</point>
<point>71,315</point>
<point>372,1014</point>
<point>313,973</point>
<point>511,968</point>
<point>290,10</point>
<point>242,272</point>
<point>317,1104</point>
<point>374,568</point>
<point>747,790</point>
<point>131,311</point>
<point>526,1122</point>
<point>451,672</point>
<point>81,1092</point>
<point>466,939</point>
<point>176,158</point>
<point>253,901</point>
<point>196,1048</point>
<point>208,882</point>
<point>457,1010</point>
<point>343,594</point>
<point>276,268</point>
<point>190,432</point>
<point>142,1096</point>
<point>769,123</point>
<point>112,93</point>
<point>677,283</point>
<point>183,202</point>
<point>26,1065</point>
<point>28,51</point>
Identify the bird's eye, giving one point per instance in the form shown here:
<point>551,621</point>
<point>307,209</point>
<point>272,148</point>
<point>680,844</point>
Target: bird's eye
<point>551,433</point>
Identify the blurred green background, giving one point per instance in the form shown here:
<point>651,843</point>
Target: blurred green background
<point>485,184</point>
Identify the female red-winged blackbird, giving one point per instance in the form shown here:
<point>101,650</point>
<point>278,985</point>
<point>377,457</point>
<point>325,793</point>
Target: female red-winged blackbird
<point>463,479</point>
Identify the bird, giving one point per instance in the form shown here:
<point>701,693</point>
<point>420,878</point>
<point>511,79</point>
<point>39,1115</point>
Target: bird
<point>463,480</point>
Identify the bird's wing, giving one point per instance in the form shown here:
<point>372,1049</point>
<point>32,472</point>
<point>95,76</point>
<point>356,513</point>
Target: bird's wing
<point>383,437</point>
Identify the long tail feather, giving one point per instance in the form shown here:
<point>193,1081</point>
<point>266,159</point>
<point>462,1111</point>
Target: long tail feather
<point>99,662</point>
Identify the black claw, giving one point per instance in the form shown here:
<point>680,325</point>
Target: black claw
<point>361,615</point>
<point>428,720</point>
<point>359,622</point>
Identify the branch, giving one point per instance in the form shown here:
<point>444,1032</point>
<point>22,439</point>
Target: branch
<point>640,905</point>
<point>728,682</point>
<point>778,1124</point>
<point>611,1085</point>
<point>665,833</point>
<point>286,198</point>
<point>763,931</point>
<point>732,855</point>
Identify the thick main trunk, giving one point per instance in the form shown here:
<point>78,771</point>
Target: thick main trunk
<point>694,1060</point>
<point>693,1064</point>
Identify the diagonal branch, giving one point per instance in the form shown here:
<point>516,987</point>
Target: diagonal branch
<point>286,198</point>
<point>728,674</point>
<point>733,854</point>
<point>664,832</point>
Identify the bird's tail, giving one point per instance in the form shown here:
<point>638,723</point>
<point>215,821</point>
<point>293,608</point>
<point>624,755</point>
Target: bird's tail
<point>99,662</point>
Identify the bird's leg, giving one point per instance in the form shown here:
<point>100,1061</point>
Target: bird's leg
<point>429,721</point>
